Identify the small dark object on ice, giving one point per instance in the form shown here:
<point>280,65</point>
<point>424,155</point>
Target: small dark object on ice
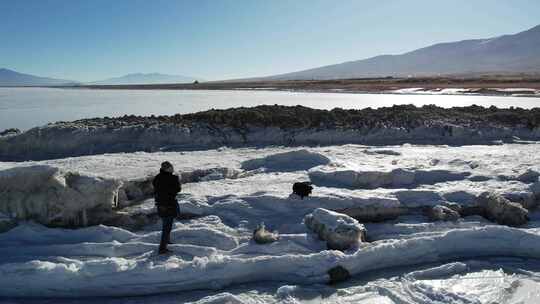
<point>302,189</point>
<point>338,274</point>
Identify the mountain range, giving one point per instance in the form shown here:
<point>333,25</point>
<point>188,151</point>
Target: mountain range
<point>12,78</point>
<point>150,78</point>
<point>517,53</point>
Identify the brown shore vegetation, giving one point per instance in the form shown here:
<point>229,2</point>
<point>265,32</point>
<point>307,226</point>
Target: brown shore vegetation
<point>363,85</point>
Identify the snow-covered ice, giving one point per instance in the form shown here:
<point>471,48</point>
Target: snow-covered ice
<point>340,231</point>
<point>228,192</point>
<point>53,197</point>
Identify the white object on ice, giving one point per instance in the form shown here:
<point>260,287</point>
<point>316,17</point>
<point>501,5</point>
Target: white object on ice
<point>501,210</point>
<point>263,236</point>
<point>340,231</point>
<point>54,197</point>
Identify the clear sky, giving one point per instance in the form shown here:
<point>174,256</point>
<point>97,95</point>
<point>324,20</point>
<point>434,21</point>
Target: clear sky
<point>219,39</point>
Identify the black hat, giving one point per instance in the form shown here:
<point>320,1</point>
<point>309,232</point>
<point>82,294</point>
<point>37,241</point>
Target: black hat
<point>167,167</point>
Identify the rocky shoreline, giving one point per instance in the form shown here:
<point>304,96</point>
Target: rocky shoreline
<point>273,125</point>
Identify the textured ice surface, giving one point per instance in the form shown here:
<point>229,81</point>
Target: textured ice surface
<point>51,196</point>
<point>215,251</point>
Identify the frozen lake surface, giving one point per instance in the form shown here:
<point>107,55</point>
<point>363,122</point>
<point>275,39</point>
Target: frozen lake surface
<point>25,108</point>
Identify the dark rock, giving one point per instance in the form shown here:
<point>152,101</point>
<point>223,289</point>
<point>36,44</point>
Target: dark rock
<point>442,213</point>
<point>10,132</point>
<point>302,189</point>
<point>338,274</point>
<point>499,209</point>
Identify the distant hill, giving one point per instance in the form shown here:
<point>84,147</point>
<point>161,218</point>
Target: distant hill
<point>150,78</point>
<point>504,54</point>
<point>12,78</point>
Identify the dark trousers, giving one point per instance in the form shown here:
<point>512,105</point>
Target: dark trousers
<point>166,232</point>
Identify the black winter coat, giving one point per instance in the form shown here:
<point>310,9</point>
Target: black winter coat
<point>166,187</point>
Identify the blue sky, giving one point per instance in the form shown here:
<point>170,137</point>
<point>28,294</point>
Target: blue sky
<point>220,39</point>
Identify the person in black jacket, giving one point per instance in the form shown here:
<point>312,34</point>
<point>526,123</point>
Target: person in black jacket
<point>166,187</point>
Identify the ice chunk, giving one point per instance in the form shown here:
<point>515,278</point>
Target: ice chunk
<point>371,179</point>
<point>136,189</point>
<point>340,231</point>
<point>54,197</point>
<point>350,178</point>
<point>418,198</point>
<point>222,298</point>
<point>208,174</point>
<point>191,206</point>
<point>288,161</point>
<point>31,234</point>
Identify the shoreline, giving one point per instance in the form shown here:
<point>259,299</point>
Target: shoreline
<point>512,85</point>
<point>483,86</point>
<point>492,92</point>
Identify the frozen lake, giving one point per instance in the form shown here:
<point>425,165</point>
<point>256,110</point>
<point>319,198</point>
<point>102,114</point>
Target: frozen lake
<point>25,108</point>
